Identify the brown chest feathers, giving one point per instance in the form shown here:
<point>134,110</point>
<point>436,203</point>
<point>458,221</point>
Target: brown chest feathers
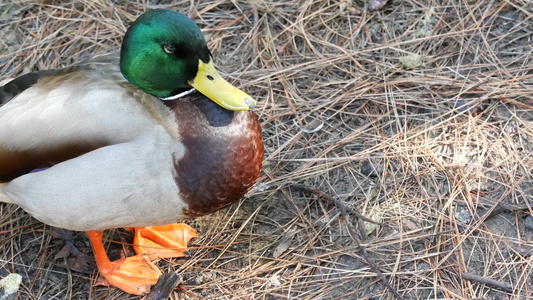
<point>223,154</point>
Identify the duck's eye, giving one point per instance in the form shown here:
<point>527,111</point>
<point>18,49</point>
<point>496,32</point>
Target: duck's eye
<point>210,77</point>
<point>169,48</point>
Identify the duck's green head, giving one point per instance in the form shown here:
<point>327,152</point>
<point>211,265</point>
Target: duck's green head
<point>164,53</point>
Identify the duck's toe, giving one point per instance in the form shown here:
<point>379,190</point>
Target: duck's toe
<point>134,275</point>
<point>163,241</point>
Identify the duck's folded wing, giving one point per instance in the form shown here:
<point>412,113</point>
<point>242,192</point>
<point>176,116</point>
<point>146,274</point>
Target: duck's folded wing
<point>53,116</point>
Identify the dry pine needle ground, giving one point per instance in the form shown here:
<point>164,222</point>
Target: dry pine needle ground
<point>417,116</point>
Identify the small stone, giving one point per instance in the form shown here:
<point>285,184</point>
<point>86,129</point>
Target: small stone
<point>463,215</point>
<point>412,61</point>
<point>9,286</point>
<point>274,281</point>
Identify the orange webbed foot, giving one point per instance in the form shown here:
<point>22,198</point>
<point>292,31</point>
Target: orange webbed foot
<point>163,241</point>
<point>134,275</point>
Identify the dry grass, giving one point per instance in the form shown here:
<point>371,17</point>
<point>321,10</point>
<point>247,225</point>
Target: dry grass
<point>441,154</point>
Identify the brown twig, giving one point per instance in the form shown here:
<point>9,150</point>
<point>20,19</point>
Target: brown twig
<point>164,286</point>
<point>488,281</point>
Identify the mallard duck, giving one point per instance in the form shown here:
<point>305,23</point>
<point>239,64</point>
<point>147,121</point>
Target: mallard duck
<point>142,139</point>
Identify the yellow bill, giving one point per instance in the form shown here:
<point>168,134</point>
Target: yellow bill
<point>213,86</point>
